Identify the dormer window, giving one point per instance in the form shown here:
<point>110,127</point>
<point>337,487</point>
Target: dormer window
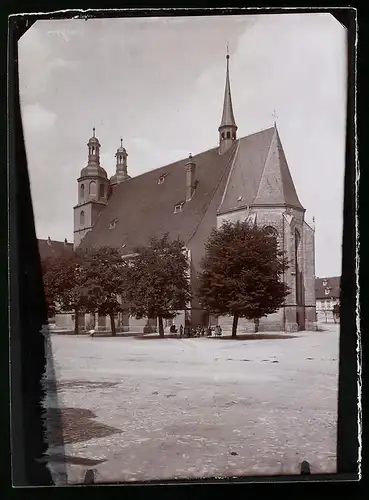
<point>113,224</point>
<point>325,283</point>
<point>327,290</point>
<point>178,208</point>
<point>162,179</point>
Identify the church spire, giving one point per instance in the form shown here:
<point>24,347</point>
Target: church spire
<point>228,128</point>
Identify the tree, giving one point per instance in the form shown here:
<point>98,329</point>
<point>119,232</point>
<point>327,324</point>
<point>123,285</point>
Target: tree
<point>104,276</point>
<point>241,273</point>
<point>158,283</point>
<point>63,285</point>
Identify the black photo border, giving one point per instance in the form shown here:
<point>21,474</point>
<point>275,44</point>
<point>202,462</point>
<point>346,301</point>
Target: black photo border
<point>28,312</point>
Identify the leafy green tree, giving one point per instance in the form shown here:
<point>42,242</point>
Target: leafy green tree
<point>241,273</point>
<point>63,285</point>
<point>103,277</point>
<point>158,282</point>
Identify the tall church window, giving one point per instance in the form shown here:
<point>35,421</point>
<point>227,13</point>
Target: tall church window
<point>222,135</point>
<point>82,191</point>
<point>92,188</point>
<point>297,267</point>
<point>102,190</point>
<point>82,218</point>
<point>228,135</point>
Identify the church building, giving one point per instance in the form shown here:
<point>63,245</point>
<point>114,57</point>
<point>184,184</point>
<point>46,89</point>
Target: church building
<point>242,178</point>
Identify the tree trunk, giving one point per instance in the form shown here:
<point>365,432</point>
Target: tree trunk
<point>112,323</point>
<point>234,325</point>
<point>256,321</point>
<point>161,327</point>
<point>76,321</point>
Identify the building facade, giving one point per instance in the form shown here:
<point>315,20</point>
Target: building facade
<point>245,178</point>
<point>327,292</point>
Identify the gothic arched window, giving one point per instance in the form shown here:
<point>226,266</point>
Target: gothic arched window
<point>271,231</point>
<point>228,135</point>
<point>297,268</point>
<point>102,190</point>
<point>92,188</point>
<point>82,218</point>
<point>222,135</point>
<point>82,189</point>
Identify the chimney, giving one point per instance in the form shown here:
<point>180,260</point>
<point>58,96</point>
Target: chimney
<point>190,178</point>
<point>48,240</point>
<point>65,242</point>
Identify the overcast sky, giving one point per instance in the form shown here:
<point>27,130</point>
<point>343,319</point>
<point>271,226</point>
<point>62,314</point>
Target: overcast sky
<point>159,83</point>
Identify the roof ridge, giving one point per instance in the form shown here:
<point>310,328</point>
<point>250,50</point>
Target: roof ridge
<point>173,163</point>
<point>256,133</point>
<point>232,156</point>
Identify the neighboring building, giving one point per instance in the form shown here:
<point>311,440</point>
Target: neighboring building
<point>50,249</point>
<point>241,178</point>
<point>327,293</point>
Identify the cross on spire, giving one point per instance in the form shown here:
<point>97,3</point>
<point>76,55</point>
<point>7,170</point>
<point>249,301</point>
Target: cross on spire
<point>275,116</point>
<point>93,132</point>
<point>121,142</point>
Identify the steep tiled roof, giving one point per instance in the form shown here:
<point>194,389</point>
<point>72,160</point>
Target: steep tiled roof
<point>53,249</point>
<point>142,208</point>
<point>333,285</point>
<point>260,175</point>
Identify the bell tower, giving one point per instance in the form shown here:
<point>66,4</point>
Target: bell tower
<point>93,185</point>
<point>228,128</point>
<point>121,173</point>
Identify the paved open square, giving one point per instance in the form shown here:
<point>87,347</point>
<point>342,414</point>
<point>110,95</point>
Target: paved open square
<point>138,409</point>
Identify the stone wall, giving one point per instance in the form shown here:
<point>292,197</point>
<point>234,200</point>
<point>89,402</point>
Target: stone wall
<point>293,316</point>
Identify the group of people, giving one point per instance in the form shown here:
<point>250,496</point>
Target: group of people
<point>200,331</point>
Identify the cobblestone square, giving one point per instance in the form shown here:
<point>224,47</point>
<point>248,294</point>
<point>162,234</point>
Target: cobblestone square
<point>184,408</point>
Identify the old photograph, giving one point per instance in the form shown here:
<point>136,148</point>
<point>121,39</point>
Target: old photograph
<point>187,180</point>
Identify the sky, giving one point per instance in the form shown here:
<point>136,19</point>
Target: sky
<point>159,84</point>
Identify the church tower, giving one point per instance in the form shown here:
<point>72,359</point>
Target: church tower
<point>121,173</point>
<point>93,185</point>
<point>228,128</point>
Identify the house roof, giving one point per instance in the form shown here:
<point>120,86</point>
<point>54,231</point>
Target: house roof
<point>53,249</point>
<point>260,175</point>
<point>142,208</point>
<point>332,284</point>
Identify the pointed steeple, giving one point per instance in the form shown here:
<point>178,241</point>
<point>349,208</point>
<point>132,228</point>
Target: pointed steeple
<point>228,128</point>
